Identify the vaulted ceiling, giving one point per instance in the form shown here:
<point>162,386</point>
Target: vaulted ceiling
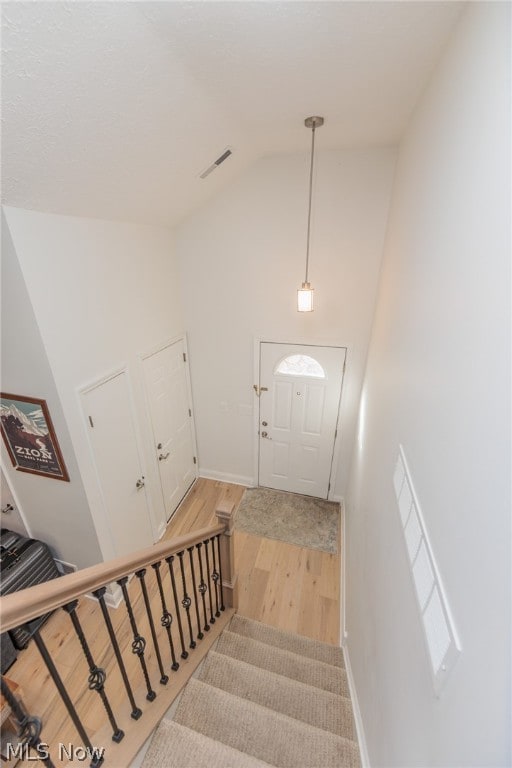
<point>113,109</point>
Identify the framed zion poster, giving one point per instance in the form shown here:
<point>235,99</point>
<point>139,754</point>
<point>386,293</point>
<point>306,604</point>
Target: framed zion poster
<point>30,438</point>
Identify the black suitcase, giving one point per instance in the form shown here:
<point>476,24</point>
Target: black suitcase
<point>8,653</point>
<point>8,538</point>
<point>23,563</point>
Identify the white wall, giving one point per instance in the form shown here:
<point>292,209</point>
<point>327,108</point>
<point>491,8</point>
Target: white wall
<point>56,512</point>
<point>242,258</point>
<point>438,381</point>
<point>103,293</point>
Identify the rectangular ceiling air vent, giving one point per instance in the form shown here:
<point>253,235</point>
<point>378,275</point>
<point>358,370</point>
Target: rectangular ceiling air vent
<point>224,156</point>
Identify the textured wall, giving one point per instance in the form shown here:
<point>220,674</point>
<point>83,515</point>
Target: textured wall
<point>242,258</point>
<point>103,293</point>
<point>438,382</point>
<point>56,512</point>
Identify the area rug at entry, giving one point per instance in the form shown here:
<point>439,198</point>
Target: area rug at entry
<point>300,520</point>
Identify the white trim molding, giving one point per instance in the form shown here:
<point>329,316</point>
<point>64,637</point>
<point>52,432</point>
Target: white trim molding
<point>361,738</point>
<point>226,477</point>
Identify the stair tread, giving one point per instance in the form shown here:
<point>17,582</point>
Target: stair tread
<point>310,671</point>
<point>176,746</point>
<point>305,646</point>
<point>273,737</point>
<point>314,706</point>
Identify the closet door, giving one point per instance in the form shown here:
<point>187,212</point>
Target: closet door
<point>12,518</point>
<point>113,438</point>
<point>166,377</point>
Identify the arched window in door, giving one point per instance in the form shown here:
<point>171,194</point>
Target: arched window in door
<point>300,365</point>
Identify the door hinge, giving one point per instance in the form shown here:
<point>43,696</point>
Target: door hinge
<point>190,413</point>
<point>91,422</point>
<point>195,460</point>
<point>184,357</point>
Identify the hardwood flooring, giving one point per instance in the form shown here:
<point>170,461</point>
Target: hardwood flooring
<point>289,587</point>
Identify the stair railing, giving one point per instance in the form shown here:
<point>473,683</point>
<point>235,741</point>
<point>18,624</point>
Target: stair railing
<point>183,591</point>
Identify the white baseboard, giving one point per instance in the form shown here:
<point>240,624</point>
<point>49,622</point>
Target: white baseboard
<point>226,477</point>
<point>161,530</point>
<point>365,760</point>
<point>343,577</point>
<point>63,567</point>
<point>113,596</point>
<point>334,497</point>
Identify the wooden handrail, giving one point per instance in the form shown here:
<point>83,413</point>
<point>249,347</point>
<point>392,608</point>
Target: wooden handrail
<point>20,607</point>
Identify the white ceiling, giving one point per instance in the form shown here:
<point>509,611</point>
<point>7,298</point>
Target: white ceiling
<point>112,109</point>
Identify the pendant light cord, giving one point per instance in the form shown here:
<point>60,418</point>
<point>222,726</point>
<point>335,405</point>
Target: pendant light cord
<point>310,195</point>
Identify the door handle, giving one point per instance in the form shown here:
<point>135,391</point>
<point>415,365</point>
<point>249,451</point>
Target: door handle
<point>265,434</point>
<point>8,508</point>
<point>140,483</point>
<point>163,456</point>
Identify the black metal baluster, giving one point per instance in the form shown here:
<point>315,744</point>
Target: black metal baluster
<point>169,560</point>
<point>139,643</point>
<point>97,676</point>
<point>190,553</point>
<point>212,620</point>
<point>164,679</point>
<point>186,602</point>
<point>52,669</point>
<point>29,726</point>
<point>166,619</point>
<point>215,577</point>
<point>202,588</point>
<point>99,594</point>
<point>222,606</point>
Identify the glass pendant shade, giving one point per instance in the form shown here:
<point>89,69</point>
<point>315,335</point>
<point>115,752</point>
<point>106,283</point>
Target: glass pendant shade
<point>305,298</point>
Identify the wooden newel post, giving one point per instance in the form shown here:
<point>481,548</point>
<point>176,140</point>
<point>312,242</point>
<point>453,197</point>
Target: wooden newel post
<point>225,516</point>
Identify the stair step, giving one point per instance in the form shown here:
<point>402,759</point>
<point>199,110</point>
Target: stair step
<point>282,694</point>
<point>304,646</point>
<point>270,736</point>
<point>176,746</point>
<point>292,665</point>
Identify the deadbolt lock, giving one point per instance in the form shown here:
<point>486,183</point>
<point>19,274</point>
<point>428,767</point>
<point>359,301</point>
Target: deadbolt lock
<point>264,423</point>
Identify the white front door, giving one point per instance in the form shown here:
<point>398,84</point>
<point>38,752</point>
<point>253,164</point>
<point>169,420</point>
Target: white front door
<point>171,417</point>
<point>113,438</point>
<point>300,391</point>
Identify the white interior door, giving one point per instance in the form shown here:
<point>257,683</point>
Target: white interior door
<point>109,415</point>
<point>300,391</point>
<point>171,417</point>
<point>12,518</point>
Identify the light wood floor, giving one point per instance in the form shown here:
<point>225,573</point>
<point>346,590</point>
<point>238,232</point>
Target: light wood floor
<point>286,586</point>
<point>290,587</point>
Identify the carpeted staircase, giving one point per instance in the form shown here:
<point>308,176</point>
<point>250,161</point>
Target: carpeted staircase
<point>263,697</point>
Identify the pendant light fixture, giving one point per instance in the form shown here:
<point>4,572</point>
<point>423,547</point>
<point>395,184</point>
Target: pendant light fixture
<point>305,292</point>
